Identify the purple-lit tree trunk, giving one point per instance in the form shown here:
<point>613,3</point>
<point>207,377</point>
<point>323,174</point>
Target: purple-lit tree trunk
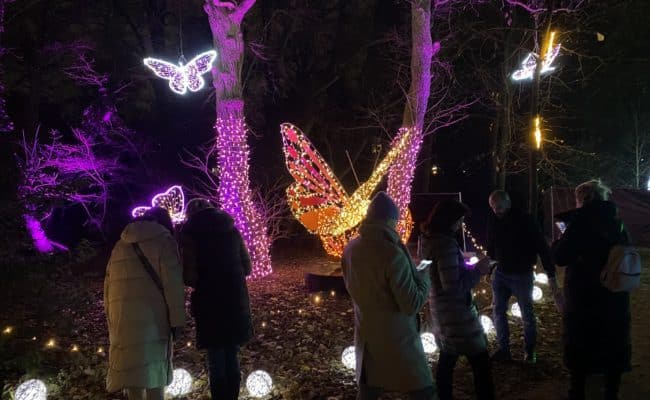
<point>233,151</point>
<point>5,122</point>
<point>400,176</point>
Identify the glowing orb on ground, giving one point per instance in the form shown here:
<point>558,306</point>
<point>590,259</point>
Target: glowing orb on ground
<point>349,358</point>
<point>32,389</point>
<point>541,278</point>
<point>259,383</point>
<point>537,293</point>
<point>429,342</point>
<point>515,310</point>
<point>488,325</point>
<point>181,383</point>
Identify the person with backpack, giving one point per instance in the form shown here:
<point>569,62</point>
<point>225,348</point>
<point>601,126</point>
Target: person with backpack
<point>596,320</point>
<point>216,264</point>
<point>454,315</point>
<point>144,301</point>
<point>387,293</point>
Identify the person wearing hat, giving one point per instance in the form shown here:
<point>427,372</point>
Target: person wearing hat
<point>215,264</point>
<point>387,292</point>
<point>454,315</point>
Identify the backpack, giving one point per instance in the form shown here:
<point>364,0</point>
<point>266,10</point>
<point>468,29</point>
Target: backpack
<point>622,271</point>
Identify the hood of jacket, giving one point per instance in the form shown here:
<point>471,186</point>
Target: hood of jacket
<point>210,220</point>
<point>139,231</point>
<point>378,229</point>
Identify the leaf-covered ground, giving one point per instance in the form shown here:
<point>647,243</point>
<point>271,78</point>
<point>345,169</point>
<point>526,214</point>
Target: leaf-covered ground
<point>299,340</point>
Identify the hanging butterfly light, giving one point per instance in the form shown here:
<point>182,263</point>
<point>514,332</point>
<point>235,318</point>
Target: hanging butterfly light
<point>184,75</point>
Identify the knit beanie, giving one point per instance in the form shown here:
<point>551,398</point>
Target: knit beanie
<point>382,207</point>
<point>196,205</point>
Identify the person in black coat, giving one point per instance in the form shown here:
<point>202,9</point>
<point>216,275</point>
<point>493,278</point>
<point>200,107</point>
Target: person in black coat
<point>596,321</point>
<point>216,264</point>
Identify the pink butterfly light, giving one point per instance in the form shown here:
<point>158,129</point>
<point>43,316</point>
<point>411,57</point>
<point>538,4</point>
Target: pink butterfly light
<point>183,76</point>
<point>172,200</point>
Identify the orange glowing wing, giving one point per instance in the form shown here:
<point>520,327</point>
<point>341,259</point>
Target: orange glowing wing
<point>316,195</point>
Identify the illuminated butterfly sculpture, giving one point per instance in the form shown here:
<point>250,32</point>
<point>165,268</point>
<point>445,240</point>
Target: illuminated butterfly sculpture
<point>529,64</point>
<point>317,199</point>
<point>183,76</point>
<point>172,200</point>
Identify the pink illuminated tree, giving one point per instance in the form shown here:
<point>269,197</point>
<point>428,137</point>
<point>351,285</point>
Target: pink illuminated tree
<point>231,129</point>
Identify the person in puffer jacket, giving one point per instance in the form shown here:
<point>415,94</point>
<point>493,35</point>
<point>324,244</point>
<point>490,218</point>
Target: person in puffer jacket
<point>454,316</point>
<point>216,264</point>
<point>141,321</point>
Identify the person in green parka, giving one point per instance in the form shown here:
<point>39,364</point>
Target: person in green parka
<point>387,292</point>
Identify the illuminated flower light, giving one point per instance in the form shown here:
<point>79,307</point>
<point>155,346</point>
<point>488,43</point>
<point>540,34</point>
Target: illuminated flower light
<point>400,178</point>
<point>318,200</point>
<point>32,389</point>
<point>181,383</point>
<point>515,310</point>
<point>487,324</point>
<point>541,278</point>
<point>259,383</point>
<point>234,193</point>
<point>349,358</point>
<point>428,342</point>
<point>172,200</point>
<point>537,293</point>
<point>183,76</point>
<point>529,64</point>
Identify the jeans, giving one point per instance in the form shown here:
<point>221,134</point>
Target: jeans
<point>483,384</point>
<point>579,380</point>
<point>521,286</point>
<point>225,378</point>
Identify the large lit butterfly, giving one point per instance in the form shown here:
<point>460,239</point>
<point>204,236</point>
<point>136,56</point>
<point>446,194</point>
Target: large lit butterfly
<point>529,64</point>
<point>183,76</point>
<point>172,200</point>
<point>317,198</point>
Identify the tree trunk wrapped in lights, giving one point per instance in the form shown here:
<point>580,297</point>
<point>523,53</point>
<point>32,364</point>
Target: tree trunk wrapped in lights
<point>400,175</point>
<point>233,151</point>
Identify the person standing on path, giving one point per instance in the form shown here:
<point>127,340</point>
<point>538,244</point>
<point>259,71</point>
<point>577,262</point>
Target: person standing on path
<point>387,293</point>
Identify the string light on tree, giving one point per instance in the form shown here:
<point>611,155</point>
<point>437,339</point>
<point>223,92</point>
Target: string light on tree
<point>183,76</point>
<point>181,383</point>
<point>50,344</point>
<point>33,389</point>
<point>428,342</point>
<point>529,64</point>
<point>234,193</point>
<point>259,383</point>
<point>349,358</point>
<point>8,330</point>
<point>537,132</point>
<point>172,200</point>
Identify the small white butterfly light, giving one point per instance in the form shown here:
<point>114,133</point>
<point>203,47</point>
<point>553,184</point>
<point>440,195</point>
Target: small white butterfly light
<point>183,76</point>
<point>529,64</point>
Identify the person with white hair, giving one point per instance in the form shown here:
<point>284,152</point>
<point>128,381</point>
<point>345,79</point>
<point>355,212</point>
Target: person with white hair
<point>596,321</point>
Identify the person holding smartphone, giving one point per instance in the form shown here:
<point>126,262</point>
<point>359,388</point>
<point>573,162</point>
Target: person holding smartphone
<point>454,315</point>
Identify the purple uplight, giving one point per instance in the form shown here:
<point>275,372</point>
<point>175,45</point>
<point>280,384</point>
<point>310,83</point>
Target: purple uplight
<point>41,242</point>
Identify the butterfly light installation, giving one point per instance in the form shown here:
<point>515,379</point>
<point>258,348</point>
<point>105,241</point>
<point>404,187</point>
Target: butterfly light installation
<point>183,76</point>
<point>529,64</point>
<point>317,199</point>
<point>172,200</point>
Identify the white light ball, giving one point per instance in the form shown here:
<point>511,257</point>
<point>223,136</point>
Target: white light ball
<point>259,383</point>
<point>429,342</point>
<point>181,383</point>
<point>32,389</point>
<point>473,260</point>
<point>488,325</point>
<point>541,278</point>
<point>537,293</point>
<point>515,310</point>
<point>349,358</point>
